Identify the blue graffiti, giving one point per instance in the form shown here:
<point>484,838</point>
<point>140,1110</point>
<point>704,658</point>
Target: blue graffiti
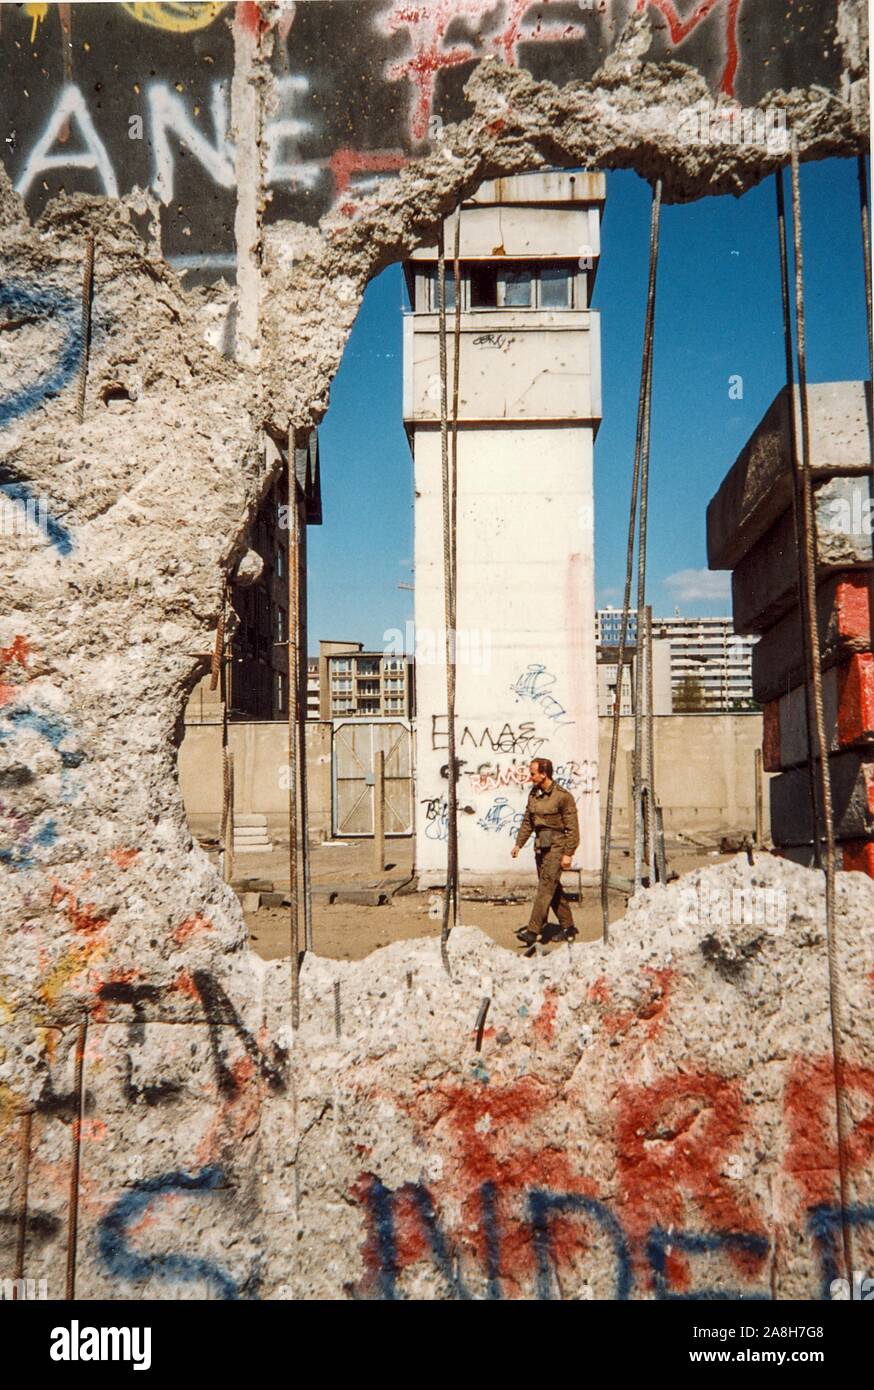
<point>543,1208</point>
<point>22,855</point>
<point>34,508</point>
<point>436,817</point>
<point>19,300</point>
<point>535,684</point>
<point>49,726</point>
<point>659,1242</point>
<point>381,1203</point>
<point>501,817</point>
<point>825,1224</point>
<point>541,1204</point>
<point>122,1262</point>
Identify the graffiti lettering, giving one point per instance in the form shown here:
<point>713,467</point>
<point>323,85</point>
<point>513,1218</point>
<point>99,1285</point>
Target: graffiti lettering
<point>535,683</point>
<point>123,1262</point>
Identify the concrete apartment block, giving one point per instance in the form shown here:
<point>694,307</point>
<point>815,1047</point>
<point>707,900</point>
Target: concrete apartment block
<point>757,490</point>
<point>844,607</point>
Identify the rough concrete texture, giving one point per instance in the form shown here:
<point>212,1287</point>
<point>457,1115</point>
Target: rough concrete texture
<point>207,1129</point>
<point>844,606</point>
<point>764,584</point>
<point>852,784</point>
<point>848,708</point>
<point>757,490</point>
<point>651,1117</point>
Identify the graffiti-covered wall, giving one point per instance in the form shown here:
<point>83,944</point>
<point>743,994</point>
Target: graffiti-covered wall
<point>677,1082</point>
<point>99,98</point>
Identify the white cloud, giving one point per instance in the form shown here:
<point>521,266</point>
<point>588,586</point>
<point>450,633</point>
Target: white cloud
<point>699,586</point>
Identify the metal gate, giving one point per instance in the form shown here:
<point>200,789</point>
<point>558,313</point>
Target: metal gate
<point>355,742</point>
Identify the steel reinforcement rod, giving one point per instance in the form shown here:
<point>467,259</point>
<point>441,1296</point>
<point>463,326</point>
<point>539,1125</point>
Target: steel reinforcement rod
<point>73,1208</point>
<point>449,492</point>
<point>809,554</point>
<point>645,381</point>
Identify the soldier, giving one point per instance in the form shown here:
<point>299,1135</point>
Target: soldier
<point>551,815</point>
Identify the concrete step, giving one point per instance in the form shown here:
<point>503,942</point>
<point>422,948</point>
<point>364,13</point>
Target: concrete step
<point>246,822</point>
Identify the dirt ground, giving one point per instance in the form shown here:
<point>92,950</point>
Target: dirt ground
<point>345,931</point>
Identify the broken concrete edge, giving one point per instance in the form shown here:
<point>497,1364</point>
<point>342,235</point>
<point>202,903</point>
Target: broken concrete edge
<point>845,603</point>
<point>759,486</point>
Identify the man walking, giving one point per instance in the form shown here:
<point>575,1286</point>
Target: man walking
<point>551,816</point>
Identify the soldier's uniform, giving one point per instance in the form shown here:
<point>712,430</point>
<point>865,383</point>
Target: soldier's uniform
<point>551,816</point>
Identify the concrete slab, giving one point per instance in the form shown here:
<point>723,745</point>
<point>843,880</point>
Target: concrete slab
<point>757,490</point>
<point>764,584</point>
<point>848,705</point>
<point>844,606</point>
<point>856,856</point>
<point>852,779</point>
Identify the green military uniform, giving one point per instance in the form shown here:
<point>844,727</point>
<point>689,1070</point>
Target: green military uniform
<point>551,816</point>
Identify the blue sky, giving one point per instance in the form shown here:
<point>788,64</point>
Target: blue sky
<point>718,316</point>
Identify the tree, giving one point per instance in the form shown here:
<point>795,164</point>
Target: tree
<point>689,696</point>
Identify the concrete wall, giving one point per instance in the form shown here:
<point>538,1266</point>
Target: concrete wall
<point>704,774</point>
<point>222,1133</point>
<point>704,770</point>
<point>260,774</point>
<point>525,608</point>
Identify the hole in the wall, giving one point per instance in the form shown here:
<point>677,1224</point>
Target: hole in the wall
<point>697,332</point>
<point>114,393</point>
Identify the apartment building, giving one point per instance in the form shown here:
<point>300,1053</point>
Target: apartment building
<point>357,684</point>
<point>710,664</point>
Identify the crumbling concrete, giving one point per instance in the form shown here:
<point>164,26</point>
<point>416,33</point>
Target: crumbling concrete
<point>702,1121</point>
<point>648,1118</point>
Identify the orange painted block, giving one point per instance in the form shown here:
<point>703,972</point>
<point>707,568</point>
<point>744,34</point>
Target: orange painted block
<point>771,737</point>
<point>856,700</point>
<point>858,857</point>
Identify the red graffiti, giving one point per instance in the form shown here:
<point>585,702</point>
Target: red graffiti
<point>476,1129</point>
<point>191,925</point>
<point>544,1023</point>
<point>672,1140</point>
<point>652,1007</point>
<point>123,857</point>
<point>812,1152</point>
<point>427,25</point>
<point>18,653</point>
<point>680,29</point>
<point>79,915</point>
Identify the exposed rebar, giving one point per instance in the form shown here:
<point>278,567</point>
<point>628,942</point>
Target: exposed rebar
<point>73,1205</point>
<point>815,668</point>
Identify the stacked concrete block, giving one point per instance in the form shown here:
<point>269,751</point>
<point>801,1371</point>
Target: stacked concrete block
<point>751,530</point>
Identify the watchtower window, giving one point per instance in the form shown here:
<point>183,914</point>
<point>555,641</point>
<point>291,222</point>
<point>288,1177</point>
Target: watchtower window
<point>483,285</point>
<point>516,286</point>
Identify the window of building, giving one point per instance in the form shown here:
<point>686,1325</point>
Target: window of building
<point>280,625</point>
<point>449,290</point>
<point>483,285</point>
<point>368,666</point>
<point>342,663</point>
<point>515,287</point>
<point>279,566</point>
<point>555,287</point>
